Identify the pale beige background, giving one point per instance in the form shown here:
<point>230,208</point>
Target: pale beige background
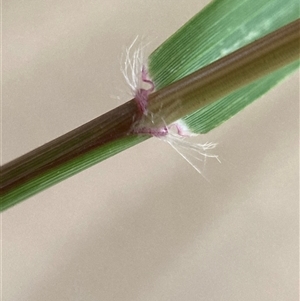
<point>142,225</point>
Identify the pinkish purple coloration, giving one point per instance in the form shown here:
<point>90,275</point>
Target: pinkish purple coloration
<point>141,98</point>
<point>180,130</point>
<point>175,134</point>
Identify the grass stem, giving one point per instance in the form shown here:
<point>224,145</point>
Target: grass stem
<point>70,153</point>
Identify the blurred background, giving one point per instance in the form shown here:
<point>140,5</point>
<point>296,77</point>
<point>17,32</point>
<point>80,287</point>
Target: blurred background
<point>142,225</point>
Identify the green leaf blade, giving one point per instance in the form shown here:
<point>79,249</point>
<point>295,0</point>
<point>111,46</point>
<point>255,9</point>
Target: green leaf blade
<point>221,28</point>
